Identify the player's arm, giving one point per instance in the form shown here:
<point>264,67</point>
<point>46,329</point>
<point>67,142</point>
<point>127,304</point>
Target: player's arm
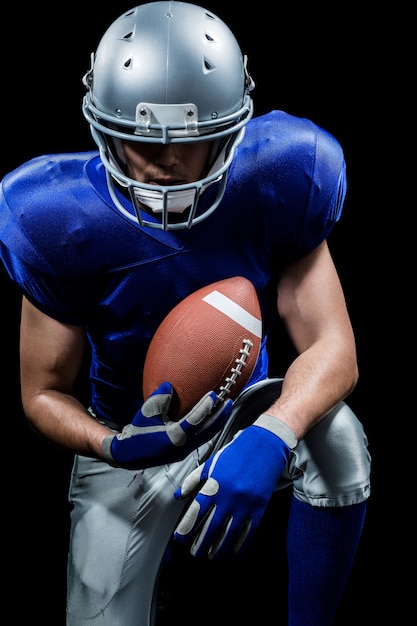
<point>227,509</point>
<point>312,306</point>
<point>51,354</point>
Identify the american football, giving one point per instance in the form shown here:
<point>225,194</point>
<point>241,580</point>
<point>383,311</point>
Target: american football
<point>209,341</point>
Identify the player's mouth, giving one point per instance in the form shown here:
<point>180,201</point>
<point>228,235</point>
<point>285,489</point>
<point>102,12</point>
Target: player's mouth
<point>165,181</point>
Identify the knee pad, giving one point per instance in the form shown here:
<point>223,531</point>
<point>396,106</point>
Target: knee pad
<point>331,465</point>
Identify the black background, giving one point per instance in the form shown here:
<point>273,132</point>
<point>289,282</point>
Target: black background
<point>329,66</point>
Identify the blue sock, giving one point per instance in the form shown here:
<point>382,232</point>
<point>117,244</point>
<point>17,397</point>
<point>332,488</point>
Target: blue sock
<point>321,546</point>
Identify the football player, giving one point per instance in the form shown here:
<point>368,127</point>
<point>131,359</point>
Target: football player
<point>186,186</point>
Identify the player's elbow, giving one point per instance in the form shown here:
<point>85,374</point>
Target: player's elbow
<point>350,374</point>
<point>354,378</point>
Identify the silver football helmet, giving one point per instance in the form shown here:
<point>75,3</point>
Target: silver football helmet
<point>167,72</point>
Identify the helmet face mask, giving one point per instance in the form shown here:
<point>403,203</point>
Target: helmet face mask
<point>167,72</point>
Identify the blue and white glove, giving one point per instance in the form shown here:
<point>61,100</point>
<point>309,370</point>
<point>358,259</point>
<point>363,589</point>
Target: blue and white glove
<point>235,485</point>
<point>153,438</point>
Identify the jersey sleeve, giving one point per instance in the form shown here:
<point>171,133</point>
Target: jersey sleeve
<point>328,184</point>
<point>300,188</point>
<point>38,246</point>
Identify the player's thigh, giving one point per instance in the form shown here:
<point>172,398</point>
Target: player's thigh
<point>121,523</point>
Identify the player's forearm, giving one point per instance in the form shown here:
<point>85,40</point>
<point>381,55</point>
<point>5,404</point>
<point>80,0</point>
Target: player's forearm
<point>62,419</point>
<point>315,382</point>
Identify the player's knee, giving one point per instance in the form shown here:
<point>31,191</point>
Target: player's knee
<point>332,463</point>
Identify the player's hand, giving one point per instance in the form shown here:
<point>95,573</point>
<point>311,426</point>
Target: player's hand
<point>154,439</point>
<point>235,485</point>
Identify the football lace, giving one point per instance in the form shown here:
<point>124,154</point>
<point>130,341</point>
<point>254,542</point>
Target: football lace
<point>237,370</point>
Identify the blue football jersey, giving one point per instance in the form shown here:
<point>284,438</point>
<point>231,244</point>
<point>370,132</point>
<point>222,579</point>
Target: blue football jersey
<point>83,262</point>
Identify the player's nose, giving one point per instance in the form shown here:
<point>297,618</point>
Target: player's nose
<point>167,155</point>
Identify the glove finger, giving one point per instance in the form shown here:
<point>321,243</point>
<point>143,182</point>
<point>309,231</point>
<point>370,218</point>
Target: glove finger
<point>228,540</point>
<point>200,410</point>
<point>217,418</point>
<point>191,483</point>
<point>201,507</point>
<point>215,550</point>
<point>201,545</point>
<point>188,520</point>
<point>158,402</point>
<point>244,537</point>
<point>215,543</point>
<point>207,424</point>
